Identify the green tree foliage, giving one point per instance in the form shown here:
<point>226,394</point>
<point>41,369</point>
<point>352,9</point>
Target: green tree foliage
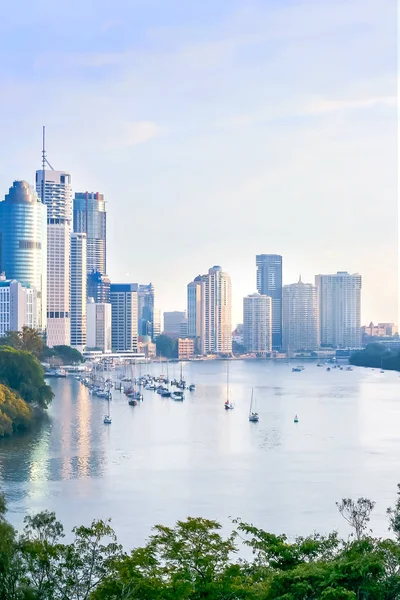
<point>22,372</point>
<point>15,414</point>
<point>68,355</point>
<point>166,346</point>
<point>376,356</point>
<point>194,561</point>
<point>27,339</point>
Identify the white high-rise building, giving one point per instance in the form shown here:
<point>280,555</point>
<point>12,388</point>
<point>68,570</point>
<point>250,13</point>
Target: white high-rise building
<point>18,305</point>
<point>216,312</point>
<point>124,312</point>
<point>78,290</point>
<point>257,324</point>
<point>56,192</point>
<point>300,317</point>
<point>98,326</point>
<point>340,309</point>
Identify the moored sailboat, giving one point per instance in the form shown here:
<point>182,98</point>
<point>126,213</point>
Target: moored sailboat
<point>228,404</point>
<point>253,415</point>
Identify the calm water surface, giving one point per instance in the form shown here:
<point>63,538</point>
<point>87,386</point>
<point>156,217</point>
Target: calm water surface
<point>165,460</point>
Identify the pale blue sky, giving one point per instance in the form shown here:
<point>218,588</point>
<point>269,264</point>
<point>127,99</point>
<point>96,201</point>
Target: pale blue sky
<point>217,130</point>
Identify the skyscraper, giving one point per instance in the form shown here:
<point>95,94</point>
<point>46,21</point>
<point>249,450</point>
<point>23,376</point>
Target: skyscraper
<point>146,310</point>
<point>216,312</point>
<point>300,317</point>
<point>194,307</point>
<point>90,218</point>
<point>23,243</point>
<point>172,323</point>
<point>54,187</point>
<point>340,309</point>
<point>78,290</point>
<point>124,314</point>
<point>257,324</point>
<point>269,283</point>
<point>98,287</point>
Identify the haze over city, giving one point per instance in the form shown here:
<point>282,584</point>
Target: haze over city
<point>216,131</point>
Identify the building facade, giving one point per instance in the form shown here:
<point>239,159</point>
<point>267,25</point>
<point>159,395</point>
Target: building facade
<point>216,312</point>
<point>185,348</point>
<point>98,287</point>
<point>269,283</point>
<point>54,188</point>
<point>146,311</point>
<point>98,326</point>
<point>300,317</point>
<point>78,290</point>
<point>172,323</point>
<point>380,330</point>
<point>257,324</point>
<point>194,309</point>
<point>18,305</point>
<point>124,312</point>
<point>90,217</point>
<point>23,243</point>
<point>340,309</point>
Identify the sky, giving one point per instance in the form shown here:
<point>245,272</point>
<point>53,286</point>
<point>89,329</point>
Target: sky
<point>217,131</point>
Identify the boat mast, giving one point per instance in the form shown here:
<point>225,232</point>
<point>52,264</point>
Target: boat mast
<point>227,381</point>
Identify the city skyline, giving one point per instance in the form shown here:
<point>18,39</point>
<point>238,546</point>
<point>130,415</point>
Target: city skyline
<point>222,129</point>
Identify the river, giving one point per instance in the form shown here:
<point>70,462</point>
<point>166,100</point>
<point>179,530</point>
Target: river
<point>165,460</point>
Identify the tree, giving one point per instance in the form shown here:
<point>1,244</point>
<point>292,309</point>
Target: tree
<point>356,513</point>
<point>27,339</point>
<point>21,371</point>
<point>62,571</point>
<point>15,414</point>
<point>68,355</point>
<point>166,346</point>
<point>394,516</point>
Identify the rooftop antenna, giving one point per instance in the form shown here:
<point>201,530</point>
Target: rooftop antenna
<point>44,162</point>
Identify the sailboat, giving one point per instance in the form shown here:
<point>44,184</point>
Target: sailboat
<point>296,419</point>
<point>382,370</point>
<point>107,417</point>
<point>253,416</point>
<point>228,405</point>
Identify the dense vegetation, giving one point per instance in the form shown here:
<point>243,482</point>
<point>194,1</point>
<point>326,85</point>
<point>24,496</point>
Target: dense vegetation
<point>194,561</point>
<point>376,356</point>
<point>166,346</point>
<point>31,340</point>
<point>23,391</point>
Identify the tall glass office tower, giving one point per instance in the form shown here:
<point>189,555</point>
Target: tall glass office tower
<point>90,218</point>
<point>269,283</point>
<point>23,242</point>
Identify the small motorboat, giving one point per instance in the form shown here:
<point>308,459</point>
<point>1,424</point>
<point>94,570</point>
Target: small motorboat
<point>328,368</point>
<point>298,369</point>
<point>180,396</point>
<point>192,387</point>
<point>132,402</point>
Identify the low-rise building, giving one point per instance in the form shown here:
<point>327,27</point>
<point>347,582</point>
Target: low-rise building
<point>185,348</point>
<point>98,325</point>
<point>18,305</point>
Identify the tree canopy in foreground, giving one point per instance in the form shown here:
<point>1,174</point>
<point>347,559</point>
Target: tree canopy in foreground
<point>195,560</point>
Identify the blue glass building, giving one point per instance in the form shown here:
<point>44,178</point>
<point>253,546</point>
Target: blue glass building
<point>269,283</point>
<point>23,242</point>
